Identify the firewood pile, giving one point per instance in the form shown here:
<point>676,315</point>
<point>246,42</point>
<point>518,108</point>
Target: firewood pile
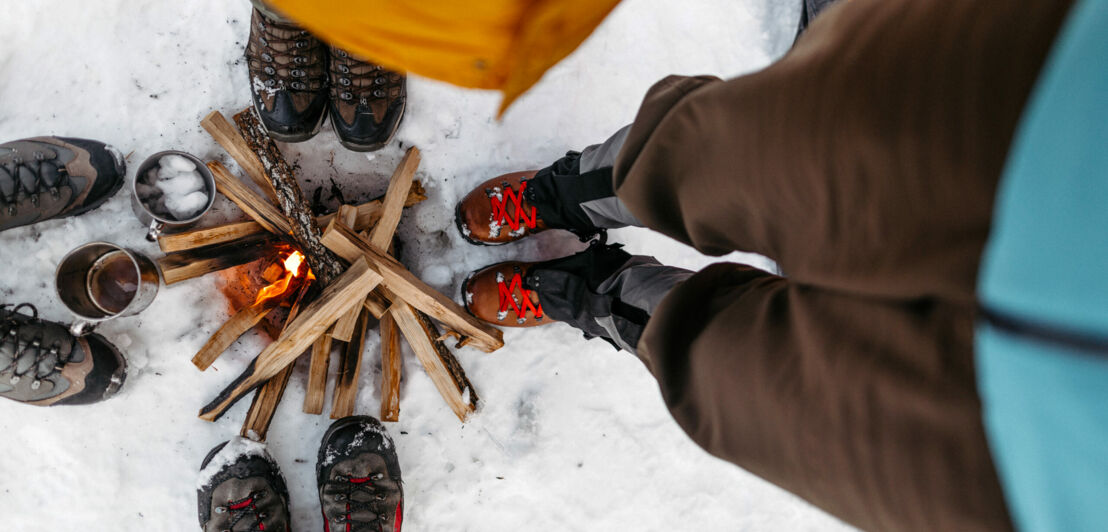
<point>332,279</point>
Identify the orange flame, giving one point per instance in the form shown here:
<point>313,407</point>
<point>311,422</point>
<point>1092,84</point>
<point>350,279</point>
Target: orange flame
<point>292,270</point>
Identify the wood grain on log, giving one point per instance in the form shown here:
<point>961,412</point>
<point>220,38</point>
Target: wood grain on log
<point>249,201</point>
<point>409,288</point>
<point>437,360</point>
<point>400,182</point>
<point>390,369</point>
<point>368,214</point>
<point>347,291</point>
<point>243,320</point>
<point>177,267</point>
<point>343,330</point>
<point>317,375</point>
<point>227,136</point>
<point>346,386</point>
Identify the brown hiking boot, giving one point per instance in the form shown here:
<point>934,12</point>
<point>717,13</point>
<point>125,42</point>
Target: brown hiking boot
<point>367,101</point>
<point>288,78</point>
<point>52,177</point>
<point>42,364</point>
<point>498,211</point>
<point>499,295</point>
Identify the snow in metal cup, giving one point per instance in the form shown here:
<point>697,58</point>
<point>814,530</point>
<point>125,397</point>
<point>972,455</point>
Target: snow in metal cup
<point>100,281</point>
<point>171,189</point>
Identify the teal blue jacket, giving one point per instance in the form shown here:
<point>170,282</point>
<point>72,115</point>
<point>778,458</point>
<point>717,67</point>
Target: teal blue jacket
<point>1042,342</point>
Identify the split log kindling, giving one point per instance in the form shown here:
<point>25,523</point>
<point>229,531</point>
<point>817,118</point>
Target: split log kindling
<point>346,386</point>
<point>264,405</point>
<point>445,371</point>
<point>407,287</point>
<point>250,202</point>
<point>177,267</point>
<point>347,291</point>
<point>317,375</point>
<point>243,320</point>
<point>390,369</point>
<point>324,263</point>
<point>225,134</point>
<point>343,330</point>
<point>368,214</point>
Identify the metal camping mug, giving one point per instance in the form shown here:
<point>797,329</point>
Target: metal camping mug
<point>100,281</point>
<point>156,223</point>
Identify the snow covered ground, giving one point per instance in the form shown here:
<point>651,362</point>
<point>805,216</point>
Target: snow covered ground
<point>572,435</point>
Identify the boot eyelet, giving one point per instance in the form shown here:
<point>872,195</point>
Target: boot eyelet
<point>262,41</point>
<point>340,497</point>
<point>270,70</point>
<point>300,60</point>
<point>296,85</point>
<point>344,69</point>
<point>378,93</point>
<point>346,96</point>
<point>35,384</point>
<point>301,44</point>
<point>270,82</point>
<point>380,81</point>
<point>267,58</point>
<point>297,73</point>
<point>345,82</point>
<point>380,497</point>
<point>220,509</point>
<point>14,379</point>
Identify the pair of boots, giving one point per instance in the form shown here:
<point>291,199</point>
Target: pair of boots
<point>296,80</point>
<point>357,474</point>
<point>603,291</point>
<point>41,363</point>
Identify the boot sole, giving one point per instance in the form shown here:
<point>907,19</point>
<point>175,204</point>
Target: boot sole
<point>119,376</point>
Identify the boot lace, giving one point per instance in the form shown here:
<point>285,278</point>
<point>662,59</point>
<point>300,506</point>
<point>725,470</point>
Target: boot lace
<point>507,296</point>
<point>9,333</point>
<point>347,487</point>
<point>289,57</point>
<point>355,79</point>
<point>245,509</point>
<point>501,199</point>
<point>21,178</point>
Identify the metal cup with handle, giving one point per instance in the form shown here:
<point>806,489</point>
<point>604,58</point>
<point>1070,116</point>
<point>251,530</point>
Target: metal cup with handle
<point>100,281</point>
<point>157,220</point>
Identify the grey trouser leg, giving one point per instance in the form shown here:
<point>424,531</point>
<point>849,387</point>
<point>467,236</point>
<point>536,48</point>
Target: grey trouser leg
<point>608,212</point>
<point>642,283</point>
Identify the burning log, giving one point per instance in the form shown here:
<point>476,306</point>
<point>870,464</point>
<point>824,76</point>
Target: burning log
<point>390,369</point>
<point>194,263</point>
<point>245,319</point>
<point>409,288</point>
<point>347,291</point>
<point>346,387</point>
<point>368,214</point>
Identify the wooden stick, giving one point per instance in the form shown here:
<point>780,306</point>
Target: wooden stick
<point>317,375</point>
<point>225,134</point>
<point>393,207</point>
<point>249,201</point>
<point>343,330</point>
<point>348,290</point>
<point>264,405</point>
<point>269,395</point>
<point>409,288</point>
<point>368,214</point>
<point>324,264</point>
<point>242,321</point>
<point>440,364</point>
<point>390,369</point>
<point>194,263</point>
<point>346,387</point>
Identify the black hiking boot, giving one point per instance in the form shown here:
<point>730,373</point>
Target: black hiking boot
<point>42,364</point>
<point>288,78</point>
<point>367,102</point>
<point>358,474</point>
<point>53,177</point>
<point>603,291</point>
<point>241,489</point>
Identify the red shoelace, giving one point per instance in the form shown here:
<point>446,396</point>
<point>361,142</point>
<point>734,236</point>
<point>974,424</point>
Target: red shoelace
<point>507,291</point>
<point>500,200</point>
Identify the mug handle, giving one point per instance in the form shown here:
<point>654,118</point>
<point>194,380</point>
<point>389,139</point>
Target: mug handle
<point>155,231</point>
<point>81,327</point>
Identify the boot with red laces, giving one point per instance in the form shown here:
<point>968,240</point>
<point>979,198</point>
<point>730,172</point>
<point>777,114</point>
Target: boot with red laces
<point>603,291</point>
<point>241,489</point>
<point>519,204</point>
<point>358,474</point>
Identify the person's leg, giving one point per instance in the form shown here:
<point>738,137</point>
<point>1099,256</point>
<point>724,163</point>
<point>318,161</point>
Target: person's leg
<point>865,160</point>
<point>865,407</point>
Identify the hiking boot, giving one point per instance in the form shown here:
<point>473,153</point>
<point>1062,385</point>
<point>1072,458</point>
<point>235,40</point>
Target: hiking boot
<point>53,177</point>
<point>358,474</point>
<point>42,364</point>
<point>241,488</point>
<point>603,291</point>
<point>367,101</point>
<point>288,78</point>
<point>517,205</point>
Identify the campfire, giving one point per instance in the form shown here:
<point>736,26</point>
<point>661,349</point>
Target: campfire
<point>329,284</point>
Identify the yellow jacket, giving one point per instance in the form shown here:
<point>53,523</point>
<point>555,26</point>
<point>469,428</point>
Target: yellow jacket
<point>486,44</point>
